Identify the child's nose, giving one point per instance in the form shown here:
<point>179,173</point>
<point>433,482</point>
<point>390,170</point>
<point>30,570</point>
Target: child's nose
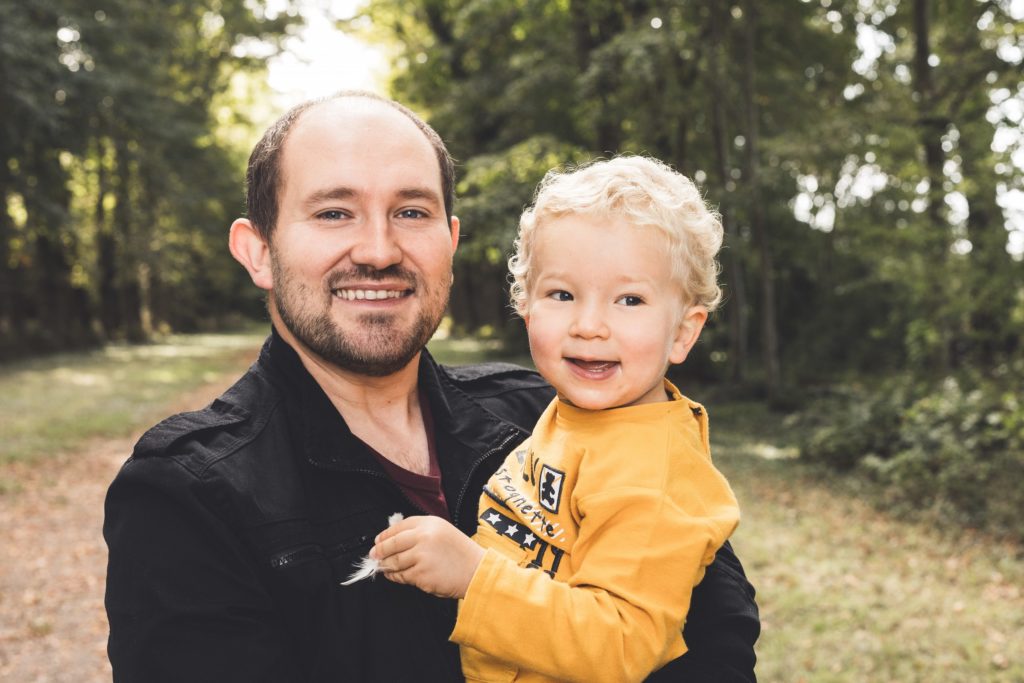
<point>589,324</point>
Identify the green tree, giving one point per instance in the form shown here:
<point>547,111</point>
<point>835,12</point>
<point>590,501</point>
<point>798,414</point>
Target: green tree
<point>116,191</point>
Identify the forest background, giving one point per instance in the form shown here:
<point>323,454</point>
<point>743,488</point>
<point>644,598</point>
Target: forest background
<point>866,156</point>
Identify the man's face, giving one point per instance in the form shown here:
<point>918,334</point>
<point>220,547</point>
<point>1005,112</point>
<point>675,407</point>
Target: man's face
<point>361,255</point>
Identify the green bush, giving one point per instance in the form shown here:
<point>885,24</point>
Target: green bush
<point>954,450</point>
<point>846,428</point>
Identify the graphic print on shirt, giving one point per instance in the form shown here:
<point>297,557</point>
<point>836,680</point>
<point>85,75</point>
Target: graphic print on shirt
<point>502,489</point>
<point>551,487</point>
<point>545,557</point>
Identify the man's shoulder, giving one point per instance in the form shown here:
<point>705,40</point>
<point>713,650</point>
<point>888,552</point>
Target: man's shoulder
<point>200,438</point>
<point>511,392</point>
<point>490,379</point>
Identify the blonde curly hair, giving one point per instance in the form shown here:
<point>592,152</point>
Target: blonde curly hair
<point>642,191</point>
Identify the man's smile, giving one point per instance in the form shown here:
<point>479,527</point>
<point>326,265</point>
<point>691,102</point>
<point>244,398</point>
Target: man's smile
<point>370,294</point>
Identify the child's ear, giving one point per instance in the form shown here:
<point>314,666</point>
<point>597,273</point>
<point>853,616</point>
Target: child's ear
<point>690,325</point>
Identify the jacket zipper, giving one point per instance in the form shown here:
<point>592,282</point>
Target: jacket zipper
<point>472,470</point>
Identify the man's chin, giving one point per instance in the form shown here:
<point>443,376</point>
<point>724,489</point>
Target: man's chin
<point>386,351</point>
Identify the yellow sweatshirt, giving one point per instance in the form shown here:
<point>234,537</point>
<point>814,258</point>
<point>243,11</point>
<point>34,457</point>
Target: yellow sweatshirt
<point>623,509</point>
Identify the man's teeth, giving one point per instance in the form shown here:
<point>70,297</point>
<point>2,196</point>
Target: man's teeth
<point>369,294</point>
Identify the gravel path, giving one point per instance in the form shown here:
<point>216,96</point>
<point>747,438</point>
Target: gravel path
<point>53,561</point>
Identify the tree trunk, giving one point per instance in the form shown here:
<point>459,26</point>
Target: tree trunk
<point>735,287</point>
<point>106,249</point>
<point>769,330</point>
<point>931,126</point>
<point>590,33</point>
<point>125,274</point>
<point>6,274</point>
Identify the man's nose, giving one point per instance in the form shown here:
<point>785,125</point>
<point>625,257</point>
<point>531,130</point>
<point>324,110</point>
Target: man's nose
<point>376,245</point>
<point>589,322</point>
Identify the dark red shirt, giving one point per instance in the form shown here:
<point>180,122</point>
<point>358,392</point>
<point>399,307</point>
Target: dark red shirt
<point>424,490</point>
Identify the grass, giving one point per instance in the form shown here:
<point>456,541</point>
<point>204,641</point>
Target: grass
<point>848,593</point>
<point>52,404</point>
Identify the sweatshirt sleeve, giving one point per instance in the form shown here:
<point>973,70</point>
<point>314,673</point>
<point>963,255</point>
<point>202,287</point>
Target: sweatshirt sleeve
<point>640,551</point>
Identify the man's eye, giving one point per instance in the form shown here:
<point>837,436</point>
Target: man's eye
<point>630,300</point>
<point>560,295</point>
<point>331,215</point>
<point>412,213</point>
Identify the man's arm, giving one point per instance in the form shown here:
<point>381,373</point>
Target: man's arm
<point>721,628</point>
<point>182,599</point>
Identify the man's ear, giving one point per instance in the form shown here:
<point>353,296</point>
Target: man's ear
<point>455,225</point>
<point>252,251</point>
<point>687,332</point>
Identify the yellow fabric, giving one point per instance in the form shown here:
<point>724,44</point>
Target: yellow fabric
<point>640,512</point>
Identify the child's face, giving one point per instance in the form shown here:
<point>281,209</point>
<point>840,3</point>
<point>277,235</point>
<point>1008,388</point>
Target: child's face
<point>604,315</point>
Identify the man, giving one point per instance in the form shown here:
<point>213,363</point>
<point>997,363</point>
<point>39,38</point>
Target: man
<point>230,529</point>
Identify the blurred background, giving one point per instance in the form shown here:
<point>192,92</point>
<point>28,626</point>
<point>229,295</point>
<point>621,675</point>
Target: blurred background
<point>864,376</point>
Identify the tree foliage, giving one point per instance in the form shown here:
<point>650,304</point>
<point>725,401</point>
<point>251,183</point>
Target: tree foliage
<point>847,143</point>
<point>861,153</point>
<point>115,189</point>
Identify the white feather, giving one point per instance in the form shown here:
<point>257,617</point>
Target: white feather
<point>367,567</point>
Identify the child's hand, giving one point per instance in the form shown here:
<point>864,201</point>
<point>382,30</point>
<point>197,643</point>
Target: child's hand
<point>429,553</point>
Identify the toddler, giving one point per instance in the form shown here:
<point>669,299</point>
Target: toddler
<point>595,530</point>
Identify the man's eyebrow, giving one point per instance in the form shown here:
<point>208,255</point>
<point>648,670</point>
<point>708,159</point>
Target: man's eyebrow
<point>419,193</point>
<point>329,194</point>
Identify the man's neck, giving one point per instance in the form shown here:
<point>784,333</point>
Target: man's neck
<point>383,412</point>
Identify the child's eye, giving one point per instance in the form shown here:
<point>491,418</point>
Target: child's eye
<point>560,295</point>
<point>629,300</point>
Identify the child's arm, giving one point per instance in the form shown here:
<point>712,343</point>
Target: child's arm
<point>428,553</point>
<point>618,616</point>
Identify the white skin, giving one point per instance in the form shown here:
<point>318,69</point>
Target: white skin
<point>359,264</point>
<point>604,320</point>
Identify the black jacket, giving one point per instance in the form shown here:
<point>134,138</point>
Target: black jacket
<point>230,528</point>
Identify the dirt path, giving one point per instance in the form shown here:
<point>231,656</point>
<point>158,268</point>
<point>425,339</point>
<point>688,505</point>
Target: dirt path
<point>53,560</point>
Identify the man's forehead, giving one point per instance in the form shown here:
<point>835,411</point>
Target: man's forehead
<point>356,118</point>
<point>355,134</point>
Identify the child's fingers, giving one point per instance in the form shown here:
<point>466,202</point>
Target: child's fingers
<point>391,544</point>
<point>405,525</point>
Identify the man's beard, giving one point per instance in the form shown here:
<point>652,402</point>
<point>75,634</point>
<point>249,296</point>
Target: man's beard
<point>380,348</point>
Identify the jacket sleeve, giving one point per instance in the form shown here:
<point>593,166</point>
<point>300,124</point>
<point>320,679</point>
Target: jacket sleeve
<point>635,562</point>
<point>721,628</point>
<point>182,598</point>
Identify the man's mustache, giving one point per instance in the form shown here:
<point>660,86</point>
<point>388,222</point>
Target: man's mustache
<point>363,273</point>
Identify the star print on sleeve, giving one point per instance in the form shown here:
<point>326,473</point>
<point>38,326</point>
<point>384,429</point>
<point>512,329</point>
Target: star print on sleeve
<point>508,527</point>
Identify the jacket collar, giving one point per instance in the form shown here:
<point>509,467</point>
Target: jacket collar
<point>320,433</point>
